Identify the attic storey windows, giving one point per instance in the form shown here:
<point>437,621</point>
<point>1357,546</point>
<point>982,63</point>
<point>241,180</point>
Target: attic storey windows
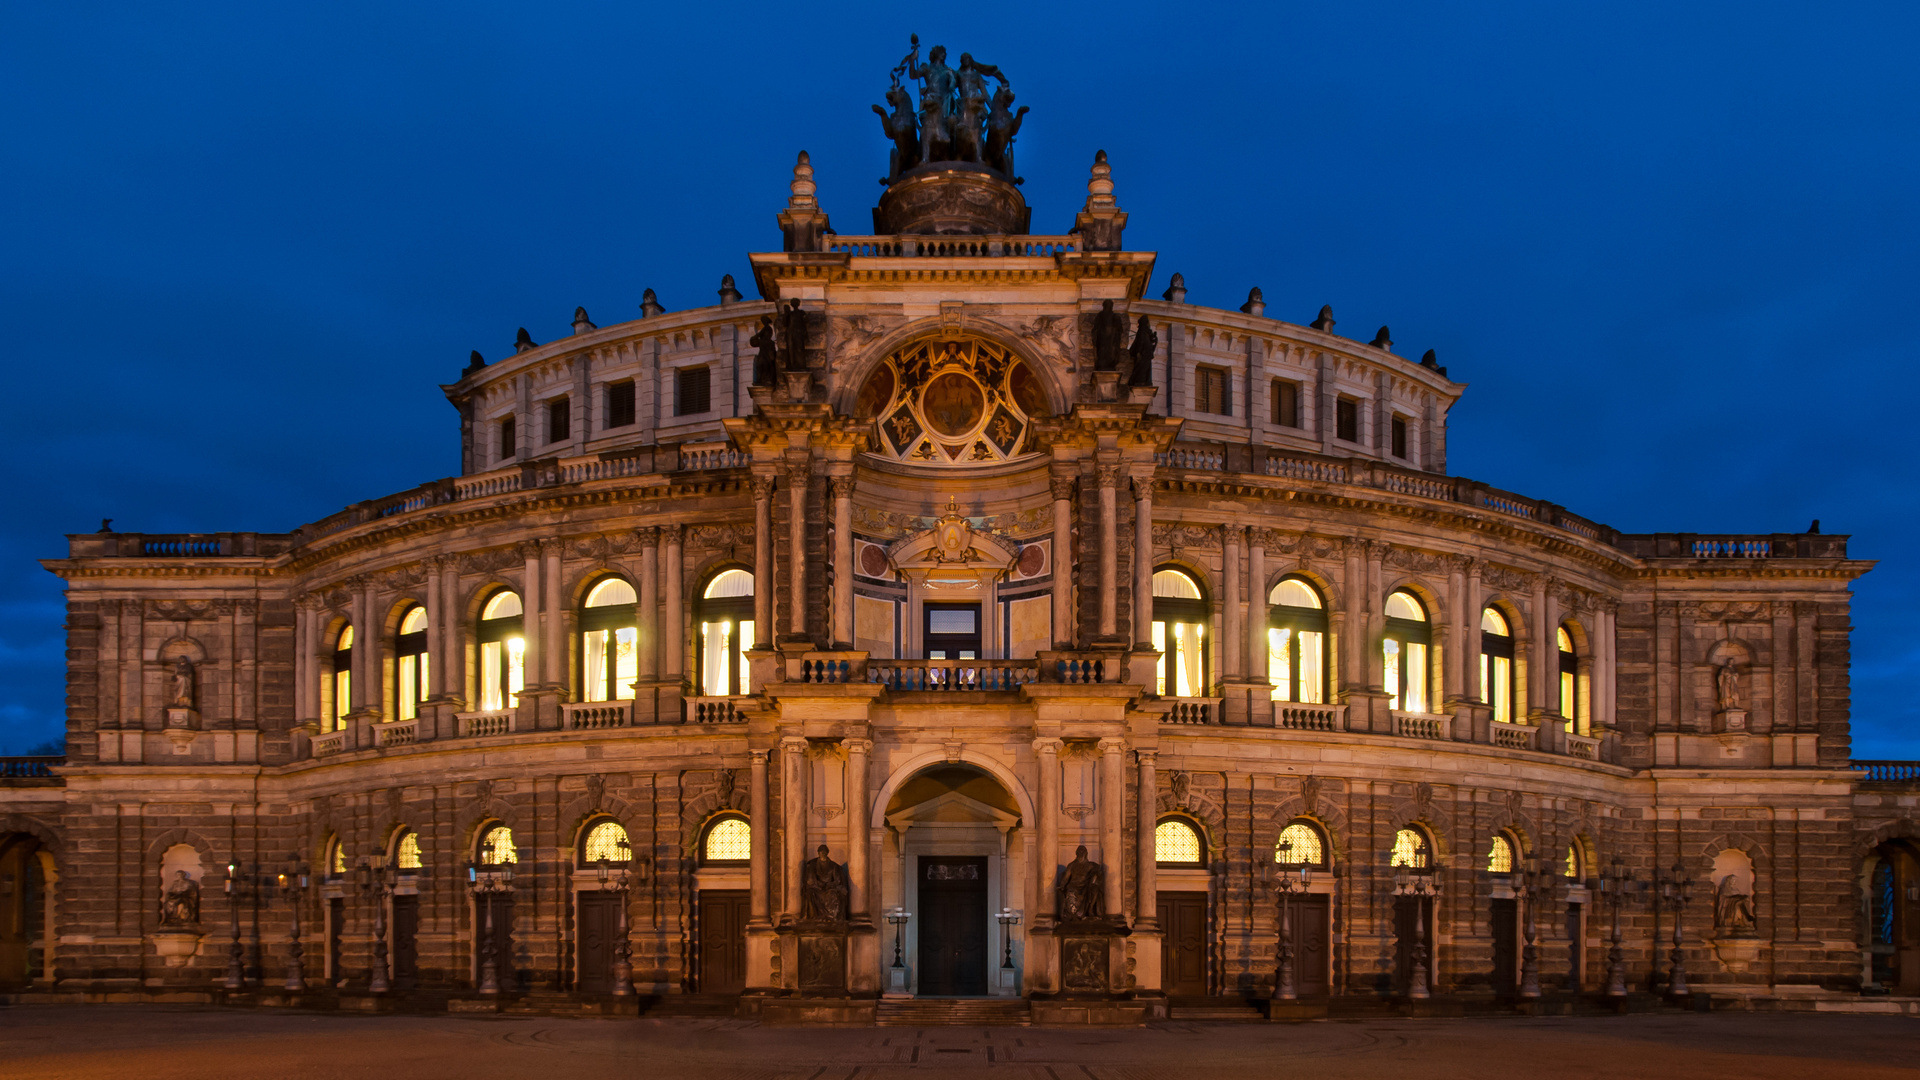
<point>620,412</point>
<point>1211,390</point>
<point>1399,437</point>
<point>692,391</point>
<point>1346,420</point>
<point>559,420</point>
<point>1286,403</point>
<point>509,441</point>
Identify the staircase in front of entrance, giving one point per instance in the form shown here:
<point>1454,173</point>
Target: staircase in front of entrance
<point>951,1012</point>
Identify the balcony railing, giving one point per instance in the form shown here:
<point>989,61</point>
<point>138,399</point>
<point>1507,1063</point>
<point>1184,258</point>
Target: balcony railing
<point>937,675</point>
<point>1295,716</point>
<point>397,733</point>
<point>1515,736</point>
<point>329,744</point>
<point>492,722</point>
<point>1887,772</point>
<point>1417,725</point>
<point>950,247</point>
<point>715,710</point>
<point>1194,710</point>
<point>596,715</point>
<point>38,767</point>
<point>1582,747</point>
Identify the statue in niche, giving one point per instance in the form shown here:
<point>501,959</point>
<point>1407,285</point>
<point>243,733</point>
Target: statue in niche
<point>793,322</point>
<point>180,684</point>
<point>1728,683</point>
<point>823,889</point>
<point>1145,341</point>
<point>1082,889</point>
<point>766,362</point>
<point>180,904</point>
<point>1109,338</point>
<point>1732,908</point>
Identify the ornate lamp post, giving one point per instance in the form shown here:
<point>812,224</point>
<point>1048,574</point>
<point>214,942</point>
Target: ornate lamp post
<point>376,881</point>
<point>1678,890</point>
<point>485,880</point>
<point>238,886</point>
<point>1614,885</point>
<point>1423,884</point>
<point>293,886</point>
<point>618,877</point>
<point>898,919</point>
<point>1285,883</point>
<point>1008,919</point>
<point>1529,882</point>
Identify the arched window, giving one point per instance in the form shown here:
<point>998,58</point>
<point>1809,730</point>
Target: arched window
<point>1496,664</point>
<point>1177,843</point>
<point>1569,669</point>
<point>1300,844</point>
<point>1576,868</point>
<point>1411,849</point>
<point>406,853</point>
<point>728,840</point>
<point>1404,650</point>
<point>503,652</point>
<point>1180,619</point>
<point>609,642</point>
<point>1297,643</point>
<point>496,847</point>
<point>410,663</point>
<point>724,614</point>
<point>606,840</point>
<point>342,680</point>
<point>1500,855</point>
<point>336,858</point>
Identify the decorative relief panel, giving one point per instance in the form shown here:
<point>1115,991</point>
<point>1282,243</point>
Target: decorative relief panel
<point>952,403</point>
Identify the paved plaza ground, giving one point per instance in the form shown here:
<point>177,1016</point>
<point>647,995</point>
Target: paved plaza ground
<point>137,1043</point>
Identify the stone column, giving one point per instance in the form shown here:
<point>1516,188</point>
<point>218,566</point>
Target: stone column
<point>797,479</point>
<point>530,613</point>
<point>554,640</point>
<point>674,622</point>
<point>762,483</point>
<point>1470,648</point>
<point>1376,613</point>
<point>1113,819</point>
<point>1540,671</point>
<point>365,691</point>
<point>1047,863</point>
<point>436,632</point>
<point>649,610</point>
<point>793,814</point>
<point>1230,650</point>
<point>859,822</point>
<point>1109,478</point>
<point>1063,561</point>
<point>1463,650</point>
<point>1603,673</point>
<point>453,649</point>
<point>1550,646</point>
<point>842,488</point>
<point>1146,908</point>
<point>1143,560</point>
<point>304,682</point>
<point>1355,644</point>
<point>1256,605</point>
<point>760,828</point>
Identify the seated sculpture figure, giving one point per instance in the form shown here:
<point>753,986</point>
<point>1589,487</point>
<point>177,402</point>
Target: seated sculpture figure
<point>1082,889</point>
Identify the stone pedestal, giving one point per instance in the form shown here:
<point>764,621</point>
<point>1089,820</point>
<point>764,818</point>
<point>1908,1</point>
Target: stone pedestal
<point>1733,720</point>
<point>1737,954</point>
<point>176,947</point>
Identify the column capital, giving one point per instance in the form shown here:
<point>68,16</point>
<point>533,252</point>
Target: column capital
<point>761,484</point>
<point>1147,758</point>
<point>552,546</point>
<point>648,535</point>
<point>793,744</point>
<point>1062,488</point>
<point>841,486</point>
<point>858,746</point>
<point>1107,476</point>
<point>1113,745</point>
<point>527,549</point>
<point>1142,485</point>
<point>1046,746</point>
<point>758,757</point>
<point>673,533</point>
<point>799,472</point>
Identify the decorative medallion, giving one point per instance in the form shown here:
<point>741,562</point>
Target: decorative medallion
<point>952,402</point>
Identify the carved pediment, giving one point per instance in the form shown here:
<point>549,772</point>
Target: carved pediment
<point>953,544</point>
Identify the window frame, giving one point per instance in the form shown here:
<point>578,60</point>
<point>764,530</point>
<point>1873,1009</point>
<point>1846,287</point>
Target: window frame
<point>610,618</point>
<point>1424,852</point>
<point>1299,620</point>
<point>616,406</point>
<point>1206,378</point>
<point>1284,398</point>
<point>1199,835</point>
<point>342,665</point>
<point>410,645</point>
<point>1184,611</point>
<point>734,610</point>
<point>681,375</point>
<point>506,430</point>
<point>499,629</point>
<point>593,825</point>
<point>706,832</point>
<point>1569,677</point>
<point>1346,419</point>
<point>1398,443</point>
<point>1409,633</point>
<point>1498,647</point>
<point>559,420</point>
<point>1320,833</point>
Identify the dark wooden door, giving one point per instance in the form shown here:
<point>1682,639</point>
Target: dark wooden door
<point>497,907</point>
<point>406,942</point>
<point>953,925</point>
<point>1404,908</point>
<point>1504,919</point>
<point>1183,946</point>
<point>1310,945</point>
<point>598,932</point>
<point>1576,947</point>
<point>723,941</point>
<point>336,919</point>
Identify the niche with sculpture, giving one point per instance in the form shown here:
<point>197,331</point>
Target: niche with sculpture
<point>1736,935</point>
<point>178,935</point>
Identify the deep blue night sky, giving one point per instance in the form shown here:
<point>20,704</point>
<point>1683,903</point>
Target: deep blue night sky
<point>1671,248</point>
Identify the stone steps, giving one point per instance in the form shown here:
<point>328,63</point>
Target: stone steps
<point>1214,1010</point>
<point>950,1012</point>
<point>697,1005</point>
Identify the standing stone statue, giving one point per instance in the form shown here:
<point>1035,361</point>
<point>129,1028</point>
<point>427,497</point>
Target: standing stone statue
<point>970,120</point>
<point>1145,341</point>
<point>1109,338</point>
<point>1728,681</point>
<point>180,904</point>
<point>180,684</point>
<point>937,82</point>
<point>766,362</point>
<point>1082,890</point>
<point>823,889</point>
<point>793,322</point>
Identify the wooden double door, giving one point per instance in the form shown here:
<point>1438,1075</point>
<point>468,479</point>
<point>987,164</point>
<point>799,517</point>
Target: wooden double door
<point>723,940</point>
<point>405,957</point>
<point>597,936</point>
<point>954,949</point>
<point>494,910</point>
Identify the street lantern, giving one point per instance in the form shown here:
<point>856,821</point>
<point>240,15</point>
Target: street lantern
<point>898,917</point>
<point>1677,890</point>
<point>292,884</point>
<point>1614,886</point>
<point>1423,884</point>
<point>487,879</point>
<point>1008,919</point>
<point>1285,882</point>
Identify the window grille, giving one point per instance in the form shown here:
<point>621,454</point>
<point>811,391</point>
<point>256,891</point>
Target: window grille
<point>1176,842</point>
<point>692,391</point>
<point>620,412</point>
<point>1286,404</point>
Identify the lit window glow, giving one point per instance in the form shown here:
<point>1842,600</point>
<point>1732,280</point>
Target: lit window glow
<point>502,850</point>
<point>1306,850</point>
<point>604,841</point>
<point>1409,850</point>
<point>730,840</point>
<point>1176,842</point>
<point>1500,857</point>
<point>407,855</point>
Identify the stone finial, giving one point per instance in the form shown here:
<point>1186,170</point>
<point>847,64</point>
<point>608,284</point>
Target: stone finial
<point>106,525</point>
<point>582,324</point>
<point>1325,322</point>
<point>1430,360</point>
<point>474,363</point>
<point>650,305</point>
<point>1812,530</point>
<point>1100,183</point>
<point>1382,340</point>
<point>1256,304</point>
<point>1100,222</point>
<point>1176,290</point>
<point>728,294</point>
<point>802,187</point>
<point>523,341</point>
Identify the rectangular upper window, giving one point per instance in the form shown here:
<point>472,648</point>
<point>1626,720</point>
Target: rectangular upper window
<point>559,421</point>
<point>509,442</point>
<point>1211,391</point>
<point>692,391</point>
<point>1399,437</point>
<point>1286,403</point>
<point>620,404</point>
<point>1346,420</point>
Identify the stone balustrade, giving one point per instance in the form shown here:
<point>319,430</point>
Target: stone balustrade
<point>1294,716</point>
<point>942,675</point>
<point>36,767</point>
<point>1417,725</point>
<point>1514,736</point>
<point>949,247</point>
<point>596,715</point>
<point>494,722</point>
<point>396,733</point>
<point>715,710</point>
<point>1193,710</point>
<point>1888,772</point>
<point>329,744</point>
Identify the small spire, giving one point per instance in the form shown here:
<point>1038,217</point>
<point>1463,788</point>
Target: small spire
<point>1430,361</point>
<point>523,341</point>
<point>728,294</point>
<point>1812,530</point>
<point>1325,322</point>
<point>474,363</point>
<point>650,305</point>
<point>106,525</point>
<point>802,187</point>
<point>582,324</point>
<point>1256,304</point>
<point>1176,290</point>
<point>1382,340</point>
<point>1100,183</point>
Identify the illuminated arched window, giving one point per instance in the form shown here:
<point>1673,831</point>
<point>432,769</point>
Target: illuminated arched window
<point>608,841</point>
<point>724,616</point>
<point>729,839</point>
<point>1411,849</point>
<point>1300,844</point>
<point>1297,642</point>
<point>1576,867</point>
<point>406,854</point>
<point>1496,664</point>
<point>1180,619</point>
<point>503,652</point>
<point>410,664</point>
<point>609,642</point>
<point>336,863</point>
<point>496,847</point>
<point>1404,652</point>
<point>341,681</point>
<point>1177,843</point>
<point>1569,672</point>
<point>1500,855</point>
